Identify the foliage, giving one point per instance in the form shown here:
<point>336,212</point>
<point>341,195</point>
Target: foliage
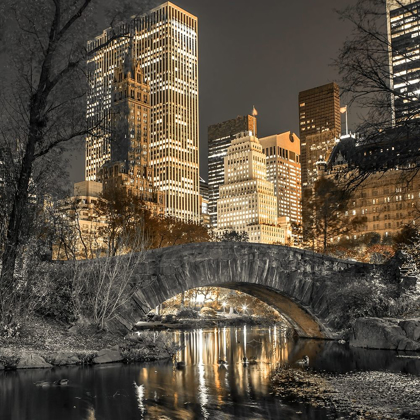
<point>58,301</point>
<point>11,330</point>
<point>327,214</point>
<point>360,249</point>
<point>232,236</point>
<point>408,241</point>
<point>9,359</point>
<point>187,313</point>
<point>208,312</point>
<point>358,298</point>
<point>164,231</point>
<point>124,216</point>
<point>86,358</point>
<point>368,297</point>
<point>148,345</point>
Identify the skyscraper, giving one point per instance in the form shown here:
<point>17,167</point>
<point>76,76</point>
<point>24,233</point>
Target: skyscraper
<point>319,112</point>
<point>220,137</point>
<point>283,170</point>
<point>165,41</point>
<point>403,18</point>
<point>129,165</point>
<point>247,202</point>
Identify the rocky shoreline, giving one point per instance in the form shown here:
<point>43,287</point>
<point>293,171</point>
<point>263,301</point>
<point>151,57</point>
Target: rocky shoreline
<point>355,395</point>
<point>386,334</point>
<point>11,359</point>
<point>46,343</point>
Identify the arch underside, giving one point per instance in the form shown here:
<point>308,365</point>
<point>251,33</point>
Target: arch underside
<point>305,324</point>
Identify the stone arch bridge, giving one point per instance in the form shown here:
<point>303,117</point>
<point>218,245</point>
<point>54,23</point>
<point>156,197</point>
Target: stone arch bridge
<point>291,280</point>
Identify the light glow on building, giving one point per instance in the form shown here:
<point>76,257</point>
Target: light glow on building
<point>165,41</point>
<point>247,202</point>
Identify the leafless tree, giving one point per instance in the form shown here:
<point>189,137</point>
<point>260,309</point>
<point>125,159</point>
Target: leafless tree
<point>104,285</point>
<point>42,106</point>
<point>366,81</point>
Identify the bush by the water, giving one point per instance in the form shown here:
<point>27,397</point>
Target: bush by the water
<point>187,313</point>
<point>368,297</point>
<point>147,346</point>
<point>208,312</point>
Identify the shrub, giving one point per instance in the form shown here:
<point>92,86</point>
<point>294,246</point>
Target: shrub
<point>364,298</point>
<point>8,359</point>
<point>208,312</point>
<point>11,330</point>
<point>58,300</point>
<point>86,358</point>
<point>188,313</point>
<point>148,345</point>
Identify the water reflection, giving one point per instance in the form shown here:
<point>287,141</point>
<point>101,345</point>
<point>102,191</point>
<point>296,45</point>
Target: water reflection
<point>204,389</point>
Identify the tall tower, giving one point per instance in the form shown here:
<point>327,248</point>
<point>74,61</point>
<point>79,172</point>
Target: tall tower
<point>319,125</point>
<point>165,41</point>
<point>283,170</point>
<point>129,165</point>
<point>220,137</point>
<point>403,19</point>
<point>247,201</point>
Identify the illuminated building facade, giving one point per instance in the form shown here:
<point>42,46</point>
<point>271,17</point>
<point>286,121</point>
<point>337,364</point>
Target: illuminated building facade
<point>283,170</point>
<point>80,211</point>
<point>390,198</point>
<point>317,146</point>
<point>165,41</point>
<point>220,137</point>
<point>204,202</point>
<point>247,202</point>
<point>403,18</point>
<point>319,112</point>
<point>129,165</point>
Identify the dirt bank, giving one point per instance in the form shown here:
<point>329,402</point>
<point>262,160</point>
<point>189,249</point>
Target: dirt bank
<point>356,395</point>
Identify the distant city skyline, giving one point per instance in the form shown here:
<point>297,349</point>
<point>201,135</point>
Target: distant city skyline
<point>247,58</point>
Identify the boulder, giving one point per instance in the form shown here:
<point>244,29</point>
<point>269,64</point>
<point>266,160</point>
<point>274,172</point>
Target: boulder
<point>32,361</point>
<point>379,333</point>
<point>111,355</point>
<point>411,328</point>
<point>62,359</point>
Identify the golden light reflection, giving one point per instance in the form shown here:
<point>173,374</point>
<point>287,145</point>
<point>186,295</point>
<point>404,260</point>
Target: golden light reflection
<point>139,389</point>
<point>91,414</point>
<point>206,382</point>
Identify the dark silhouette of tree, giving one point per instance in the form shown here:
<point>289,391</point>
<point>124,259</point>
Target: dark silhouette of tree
<point>125,216</point>
<point>364,66</point>
<point>42,104</point>
<point>233,236</point>
<point>328,214</point>
<point>164,231</point>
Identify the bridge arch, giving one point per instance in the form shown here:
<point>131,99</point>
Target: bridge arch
<point>289,279</point>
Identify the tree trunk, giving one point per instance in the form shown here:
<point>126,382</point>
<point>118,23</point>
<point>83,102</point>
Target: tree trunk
<point>14,229</point>
<point>325,234</point>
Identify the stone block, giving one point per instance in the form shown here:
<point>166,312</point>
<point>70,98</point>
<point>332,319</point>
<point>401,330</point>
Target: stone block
<point>111,355</point>
<point>411,328</point>
<point>63,359</point>
<point>378,333</point>
<point>32,361</point>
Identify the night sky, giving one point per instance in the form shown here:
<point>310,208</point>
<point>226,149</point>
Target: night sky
<point>259,53</point>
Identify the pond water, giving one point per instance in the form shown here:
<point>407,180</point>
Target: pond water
<point>203,389</point>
